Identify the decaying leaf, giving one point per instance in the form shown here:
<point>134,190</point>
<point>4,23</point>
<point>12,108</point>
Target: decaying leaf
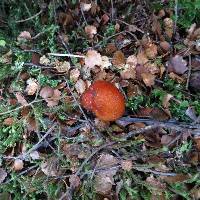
<point>8,121</point>
<point>80,86</point>
<point>142,58</point>
<point>51,167</point>
<point>127,165</point>
<point>85,6</point>
<point>74,75</point>
<point>90,31</point>
<point>194,82</point>
<point>151,51</point>
<point>3,175</point>
<point>155,183</point>
<point>118,59</point>
<point>93,58</point>
<point>46,92</point>
<point>35,155</point>
<point>44,60</point>
<point>105,63</point>
<point>129,69</point>
<point>166,100</point>
<point>168,26</point>
<point>25,35</point>
<point>62,66</point>
<point>53,101</point>
<point>50,95</point>
<point>21,100</point>
<point>104,180</point>
<point>175,179</point>
<point>177,65</point>
<point>167,139</point>
<point>32,86</point>
<point>6,58</point>
<point>149,79</point>
<point>74,181</point>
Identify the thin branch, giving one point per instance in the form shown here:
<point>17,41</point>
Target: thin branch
<point>23,156</point>
<point>20,107</point>
<point>65,55</point>
<point>189,72</point>
<point>176,15</point>
<point>30,18</point>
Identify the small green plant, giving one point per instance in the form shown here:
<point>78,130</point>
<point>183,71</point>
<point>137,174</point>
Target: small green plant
<point>136,102</point>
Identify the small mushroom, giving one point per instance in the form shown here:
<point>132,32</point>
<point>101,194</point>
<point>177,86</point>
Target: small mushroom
<point>104,100</point>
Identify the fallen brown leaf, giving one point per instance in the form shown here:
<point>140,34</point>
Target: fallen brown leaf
<point>118,59</point>
<point>21,100</point>
<point>32,86</point>
<point>177,65</point>
<point>93,58</point>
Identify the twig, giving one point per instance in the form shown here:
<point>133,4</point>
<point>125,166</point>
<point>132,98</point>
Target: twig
<point>77,102</point>
<point>23,156</point>
<point>176,15</point>
<point>189,72</point>
<point>40,66</point>
<point>22,173</point>
<point>152,124</point>
<point>20,107</point>
<point>136,28</point>
<point>108,38</point>
<point>83,15</point>
<point>140,131</point>
<point>112,10</point>
<point>32,17</point>
<point>65,55</point>
<point>155,172</point>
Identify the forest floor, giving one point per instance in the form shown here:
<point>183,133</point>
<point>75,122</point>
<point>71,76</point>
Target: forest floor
<point>51,147</point>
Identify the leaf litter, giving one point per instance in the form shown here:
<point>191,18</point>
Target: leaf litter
<point>154,147</point>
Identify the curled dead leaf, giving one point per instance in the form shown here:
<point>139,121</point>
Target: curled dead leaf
<point>151,51</point>
<point>62,66</point>
<point>85,6</point>
<point>44,60</point>
<point>149,79</point>
<point>74,74</point>
<point>118,59</point>
<point>46,92</point>
<point>127,165</point>
<point>90,31</point>
<point>24,35</point>
<point>80,86</point>
<point>32,86</point>
<point>50,95</point>
<point>93,58</point>
<point>166,99</point>
<point>21,100</point>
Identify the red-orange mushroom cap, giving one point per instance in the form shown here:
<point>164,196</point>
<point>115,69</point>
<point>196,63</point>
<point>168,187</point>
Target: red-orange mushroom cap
<point>104,100</point>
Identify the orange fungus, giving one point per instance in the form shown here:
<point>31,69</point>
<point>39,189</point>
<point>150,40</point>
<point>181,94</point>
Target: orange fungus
<point>104,100</point>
